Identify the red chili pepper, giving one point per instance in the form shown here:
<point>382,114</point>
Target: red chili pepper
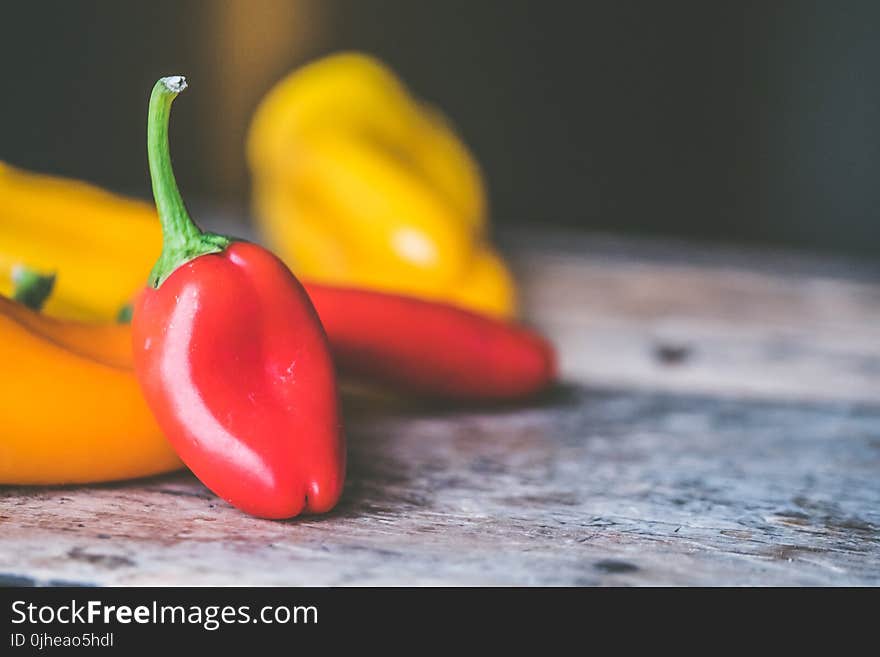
<point>233,360</point>
<point>430,348</point>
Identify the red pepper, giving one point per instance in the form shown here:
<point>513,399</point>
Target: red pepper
<point>430,348</point>
<point>233,360</point>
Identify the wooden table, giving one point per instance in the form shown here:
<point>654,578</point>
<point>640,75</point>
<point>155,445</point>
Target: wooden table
<point>718,423</point>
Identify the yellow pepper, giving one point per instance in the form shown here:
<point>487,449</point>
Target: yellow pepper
<point>102,245</point>
<point>71,409</point>
<point>356,182</point>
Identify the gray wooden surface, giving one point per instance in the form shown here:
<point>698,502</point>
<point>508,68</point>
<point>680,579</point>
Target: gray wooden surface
<point>719,423</point>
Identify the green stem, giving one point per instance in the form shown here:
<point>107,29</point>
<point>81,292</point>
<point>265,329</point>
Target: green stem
<point>123,315</point>
<point>182,239</point>
<point>31,288</point>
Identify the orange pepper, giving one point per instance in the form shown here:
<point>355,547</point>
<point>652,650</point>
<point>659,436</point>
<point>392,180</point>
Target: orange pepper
<point>70,406</point>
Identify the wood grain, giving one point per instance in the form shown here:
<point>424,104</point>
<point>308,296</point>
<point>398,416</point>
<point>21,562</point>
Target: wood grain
<point>718,424</point>
<point>801,330</point>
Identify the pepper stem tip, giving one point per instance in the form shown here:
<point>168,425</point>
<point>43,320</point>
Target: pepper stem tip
<point>174,83</point>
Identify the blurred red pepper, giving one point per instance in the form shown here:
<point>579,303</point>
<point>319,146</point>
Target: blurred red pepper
<point>232,358</point>
<point>432,349</point>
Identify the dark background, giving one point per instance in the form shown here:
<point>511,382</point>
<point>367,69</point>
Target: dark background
<point>751,122</point>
